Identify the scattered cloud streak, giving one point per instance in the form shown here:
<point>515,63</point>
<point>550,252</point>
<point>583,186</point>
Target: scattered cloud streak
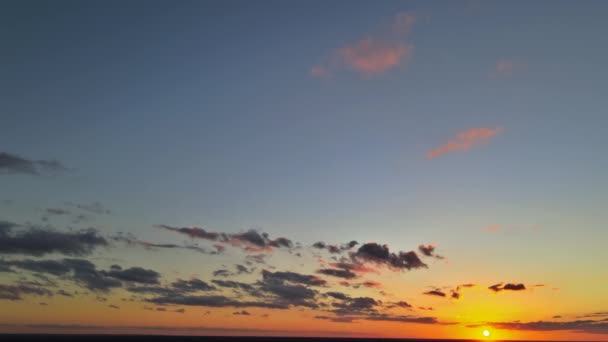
<point>465,141</point>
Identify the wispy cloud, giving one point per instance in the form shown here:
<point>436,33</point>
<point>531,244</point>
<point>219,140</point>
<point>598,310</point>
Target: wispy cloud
<point>372,54</point>
<point>465,141</point>
<point>14,164</point>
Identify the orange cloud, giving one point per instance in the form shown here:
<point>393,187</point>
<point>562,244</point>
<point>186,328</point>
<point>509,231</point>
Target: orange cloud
<point>465,140</point>
<point>372,55</point>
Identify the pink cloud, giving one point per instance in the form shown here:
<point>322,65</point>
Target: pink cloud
<point>507,67</point>
<point>372,54</point>
<point>464,141</point>
<point>494,228</point>
<point>371,57</point>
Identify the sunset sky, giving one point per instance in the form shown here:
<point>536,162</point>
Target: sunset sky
<point>305,168</point>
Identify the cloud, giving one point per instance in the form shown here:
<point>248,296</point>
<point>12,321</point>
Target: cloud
<point>294,278</point>
<point>37,241</point>
<point>429,250</point>
<point>403,304</point>
<point>243,313</point>
<point>135,274</point>
<point>113,306</point>
<point>380,255</point>
<point>510,287</point>
<point>14,292</point>
<point>372,54</point>
<point>334,249</point>
<point>221,273</point>
<point>192,285</point>
<point>465,141</point>
<point>371,284</point>
<point>339,273</point>
<point>13,164</point>
<point>436,293</point>
<point>250,241</point>
<point>588,326</point>
<point>233,284</point>
<point>214,301</point>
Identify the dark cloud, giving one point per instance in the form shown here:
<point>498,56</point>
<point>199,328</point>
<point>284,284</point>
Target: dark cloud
<point>192,285</point>
<point>86,274</point>
<point>14,292</point>
<point>429,250</point>
<point>403,304</point>
<point>338,295</point>
<point>214,301</point>
<point>380,255</point>
<point>221,273</point>
<point>294,278</point>
<point>194,232</point>
<point>435,293</point>
<point>135,274</point>
<point>53,267</point>
<point>509,286</point>
<point>233,284</point>
<point>334,249</point>
<point>356,305</point>
<point>249,241</point>
<point>13,164</point>
<point>131,240</point>
<point>339,273</point>
<point>588,326</point>
<point>240,269</point>
<point>180,310</point>
<point>243,313</point>
<point>38,241</point>
<point>113,306</point>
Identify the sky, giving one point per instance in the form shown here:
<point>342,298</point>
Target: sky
<point>344,168</point>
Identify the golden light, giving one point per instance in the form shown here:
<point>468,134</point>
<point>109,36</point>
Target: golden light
<point>486,333</point>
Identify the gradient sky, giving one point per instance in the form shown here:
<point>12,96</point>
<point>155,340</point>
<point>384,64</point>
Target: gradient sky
<point>155,141</point>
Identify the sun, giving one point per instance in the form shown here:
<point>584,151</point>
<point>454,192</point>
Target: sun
<point>486,333</point>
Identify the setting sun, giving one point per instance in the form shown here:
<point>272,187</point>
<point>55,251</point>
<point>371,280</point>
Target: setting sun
<point>486,333</point>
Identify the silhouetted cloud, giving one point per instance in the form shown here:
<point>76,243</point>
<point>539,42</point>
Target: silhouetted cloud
<point>243,313</point>
<point>38,241</point>
<point>380,255</point>
<point>214,301</point>
<point>334,249</point>
<point>429,250</point>
<point>113,306</point>
<point>135,274</point>
<point>14,292</point>
<point>249,241</point>
<point>465,140</point>
<point>510,287</point>
<point>294,278</point>
<point>340,273</point>
<point>221,273</point>
<point>14,164</point>
<point>436,293</point>
<point>192,285</point>
<point>233,284</point>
